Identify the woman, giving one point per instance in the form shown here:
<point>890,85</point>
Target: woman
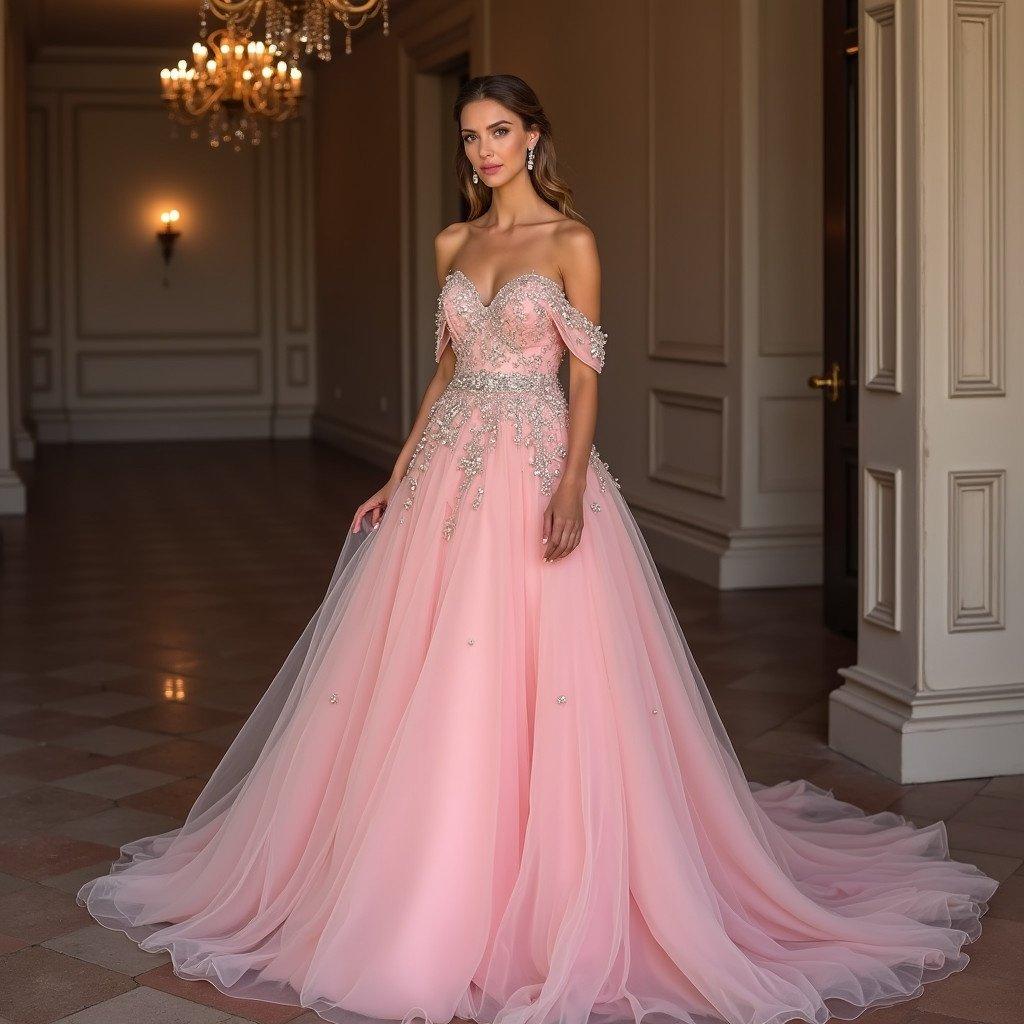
<point>488,781</point>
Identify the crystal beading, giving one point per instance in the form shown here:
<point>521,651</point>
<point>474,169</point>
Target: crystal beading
<point>508,352</point>
<point>477,403</point>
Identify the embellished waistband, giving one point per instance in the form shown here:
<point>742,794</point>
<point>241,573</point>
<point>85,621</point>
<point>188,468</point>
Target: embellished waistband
<point>497,380</point>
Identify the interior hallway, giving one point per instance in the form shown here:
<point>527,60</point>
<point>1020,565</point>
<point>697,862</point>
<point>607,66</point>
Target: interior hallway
<point>149,598</point>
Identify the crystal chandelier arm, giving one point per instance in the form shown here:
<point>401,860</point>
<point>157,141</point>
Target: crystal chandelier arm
<point>249,10</point>
<point>348,9</point>
<point>239,11</point>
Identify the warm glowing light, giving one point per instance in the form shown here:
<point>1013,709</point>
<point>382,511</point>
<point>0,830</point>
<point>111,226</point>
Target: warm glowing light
<point>174,688</point>
<point>169,217</point>
<point>236,85</point>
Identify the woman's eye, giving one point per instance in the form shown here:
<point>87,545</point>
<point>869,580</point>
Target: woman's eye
<point>504,131</point>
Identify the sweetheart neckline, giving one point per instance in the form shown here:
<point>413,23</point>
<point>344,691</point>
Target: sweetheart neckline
<point>512,280</point>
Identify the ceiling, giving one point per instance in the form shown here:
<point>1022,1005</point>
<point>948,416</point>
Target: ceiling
<point>159,23</point>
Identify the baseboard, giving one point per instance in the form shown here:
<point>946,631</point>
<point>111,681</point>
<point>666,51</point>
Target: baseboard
<point>12,494</point>
<point>352,440</point>
<point>24,445</point>
<point>733,559</point>
<point>292,422</point>
<point>76,426</point>
<point>927,736</point>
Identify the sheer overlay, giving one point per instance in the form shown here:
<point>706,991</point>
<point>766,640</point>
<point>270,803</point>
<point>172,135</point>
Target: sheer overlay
<point>486,786</point>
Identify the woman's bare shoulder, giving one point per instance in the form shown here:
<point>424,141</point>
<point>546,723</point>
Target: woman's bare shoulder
<point>447,242</point>
<point>578,260</point>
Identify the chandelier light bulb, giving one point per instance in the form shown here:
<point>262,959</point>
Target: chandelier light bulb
<point>236,88</point>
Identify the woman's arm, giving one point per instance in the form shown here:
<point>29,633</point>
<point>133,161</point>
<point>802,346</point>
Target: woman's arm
<point>563,518</point>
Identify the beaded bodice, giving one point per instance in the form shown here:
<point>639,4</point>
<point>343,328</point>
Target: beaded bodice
<point>521,330</point>
<point>507,356</point>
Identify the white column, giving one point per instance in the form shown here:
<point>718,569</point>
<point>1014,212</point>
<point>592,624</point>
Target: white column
<point>938,688</point>
<point>12,490</point>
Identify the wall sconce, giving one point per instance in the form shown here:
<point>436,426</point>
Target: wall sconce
<point>168,235</point>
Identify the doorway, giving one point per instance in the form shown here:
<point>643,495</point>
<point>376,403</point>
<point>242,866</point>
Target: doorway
<point>838,381</point>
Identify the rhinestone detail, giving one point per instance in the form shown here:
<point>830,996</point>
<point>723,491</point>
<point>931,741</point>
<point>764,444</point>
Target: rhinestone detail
<point>476,403</point>
<point>498,332</point>
<point>334,698</point>
<point>561,698</point>
<point>508,354</point>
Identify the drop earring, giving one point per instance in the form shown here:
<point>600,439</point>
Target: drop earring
<point>529,159</point>
<point>476,178</point>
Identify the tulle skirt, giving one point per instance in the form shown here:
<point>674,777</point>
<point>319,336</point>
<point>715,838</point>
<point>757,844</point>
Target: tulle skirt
<point>491,787</point>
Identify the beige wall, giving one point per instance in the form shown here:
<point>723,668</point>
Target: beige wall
<point>226,349</point>
<point>691,133</point>
<point>938,688</point>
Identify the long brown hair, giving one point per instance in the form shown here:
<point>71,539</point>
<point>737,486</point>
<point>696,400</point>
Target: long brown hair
<point>512,92</point>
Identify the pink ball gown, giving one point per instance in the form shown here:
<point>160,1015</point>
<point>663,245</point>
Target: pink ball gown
<point>486,786</point>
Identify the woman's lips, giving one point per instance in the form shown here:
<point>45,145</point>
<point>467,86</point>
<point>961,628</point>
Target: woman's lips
<point>490,168</point>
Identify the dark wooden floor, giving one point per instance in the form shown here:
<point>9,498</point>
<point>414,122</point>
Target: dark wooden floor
<point>151,595</point>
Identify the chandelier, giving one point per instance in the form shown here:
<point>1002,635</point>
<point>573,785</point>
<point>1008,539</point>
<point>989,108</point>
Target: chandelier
<point>236,85</point>
<point>300,26</point>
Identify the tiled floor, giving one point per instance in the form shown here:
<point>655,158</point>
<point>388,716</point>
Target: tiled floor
<point>152,593</point>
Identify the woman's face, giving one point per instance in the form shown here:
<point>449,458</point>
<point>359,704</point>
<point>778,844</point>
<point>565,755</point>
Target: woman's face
<point>495,141</point>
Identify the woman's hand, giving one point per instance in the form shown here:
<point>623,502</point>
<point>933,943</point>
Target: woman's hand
<point>563,520</point>
<point>376,504</point>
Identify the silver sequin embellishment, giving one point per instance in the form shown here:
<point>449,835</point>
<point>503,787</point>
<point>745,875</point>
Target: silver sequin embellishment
<point>508,353</point>
<point>334,698</point>
<point>561,698</point>
<point>470,641</point>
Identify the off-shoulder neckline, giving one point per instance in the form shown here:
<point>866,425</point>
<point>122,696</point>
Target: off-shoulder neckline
<point>588,324</point>
<point>456,272</point>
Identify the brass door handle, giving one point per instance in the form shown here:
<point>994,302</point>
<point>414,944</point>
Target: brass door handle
<point>832,383</point>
